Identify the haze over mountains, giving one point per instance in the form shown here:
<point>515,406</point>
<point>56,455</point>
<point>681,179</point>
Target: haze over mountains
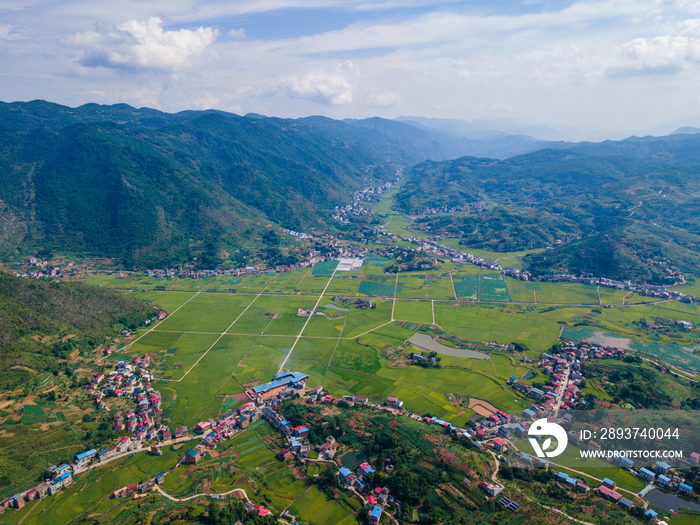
<point>151,188</point>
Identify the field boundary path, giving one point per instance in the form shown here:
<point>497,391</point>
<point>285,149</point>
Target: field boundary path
<point>454,291</point>
<point>320,297</point>
<point>195,496</point>
<point>218,338</point>
<point>158,324</point>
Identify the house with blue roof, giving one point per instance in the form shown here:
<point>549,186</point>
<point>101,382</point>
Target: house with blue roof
<point>662,467</point>
<point>528,412</point>
<point>345,472</point>
<point>375,515</point>
<point>84,458</point>
<point>61,481</point>
<point>192,456</point>
<point>663,481</point>
<point>295,379</point>
<point>646,474</point>
<point>626,463</point>
<point>651,514</point>
<point>644,491</point>
<point>625,503</point>
<point>684,488</point>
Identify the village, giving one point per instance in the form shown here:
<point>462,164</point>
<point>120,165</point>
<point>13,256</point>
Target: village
<point>494,432</point>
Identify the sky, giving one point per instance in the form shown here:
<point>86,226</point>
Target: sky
<point>619,65</point>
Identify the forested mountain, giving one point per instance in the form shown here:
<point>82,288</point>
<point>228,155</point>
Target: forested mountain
<point>616,216</point>
<point>42,323</point>
<point>150,187</point>
<point>678,147</point>
<point>429,143</point>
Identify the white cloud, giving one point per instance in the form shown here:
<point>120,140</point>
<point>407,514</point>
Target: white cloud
<point>378,99</point>
<point>145,45</point>
<point>664,54</point>
<point>237,33</point>
<point>334,88</point>
<point>7,32</point>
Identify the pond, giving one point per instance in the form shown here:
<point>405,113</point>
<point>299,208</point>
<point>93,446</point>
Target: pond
<point>426,343</point>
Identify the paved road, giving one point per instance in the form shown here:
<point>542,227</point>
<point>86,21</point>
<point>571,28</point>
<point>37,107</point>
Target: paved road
<point>562,389</point>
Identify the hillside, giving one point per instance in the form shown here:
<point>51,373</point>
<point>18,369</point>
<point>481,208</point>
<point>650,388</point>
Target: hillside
<point>42,323</point>
<point>613,216</point>
<point>162,191</point>
<point>433,144</point>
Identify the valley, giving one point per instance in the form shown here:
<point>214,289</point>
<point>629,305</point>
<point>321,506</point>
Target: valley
<point>418,299</point>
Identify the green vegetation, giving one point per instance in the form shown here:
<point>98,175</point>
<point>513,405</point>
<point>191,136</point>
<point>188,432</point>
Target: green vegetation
<point>179,188</point>
<point>603,214</point>
<point>42,324</point>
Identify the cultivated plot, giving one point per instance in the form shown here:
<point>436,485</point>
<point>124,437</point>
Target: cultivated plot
<point>478,323</point>
<point>193,285</point>
<point>345,285</point>
<point>207,312</point>
<point>155,342</point>
<point>362,320</point>
<point>320,326</point>
<point>313,284</point>
<point>353,354</point>
<point>522,291</point>
<point>143,283</point>
<point>466,286</point>
<point>168,301</point>
<point>493,288</point>
<point>379,285</point>
<point>415,311</point>
<point>324,268</point>
<point>440,287</point>
<point>567,293</point>
<point>288,320</point>
<point>286,283</point>
<point>199,394</point>
<point>412,286</point>
<point>184,352</point>
<point>255,283</point>
<point>312,356</point>
<point>226,283</point>
<point>314,503</point>
<point>263,359</point>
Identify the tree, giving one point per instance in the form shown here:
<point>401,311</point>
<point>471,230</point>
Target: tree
<point>214,514</point>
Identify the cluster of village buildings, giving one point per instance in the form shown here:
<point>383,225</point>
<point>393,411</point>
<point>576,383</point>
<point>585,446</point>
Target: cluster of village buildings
<point>370,194</point>
<point>564,372</point>
<point>469,207</point>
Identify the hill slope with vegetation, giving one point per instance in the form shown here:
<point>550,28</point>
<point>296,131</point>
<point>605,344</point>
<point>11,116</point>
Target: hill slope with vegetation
<point>42,323</point>
<point>156,188</point>
<point>614,216</point>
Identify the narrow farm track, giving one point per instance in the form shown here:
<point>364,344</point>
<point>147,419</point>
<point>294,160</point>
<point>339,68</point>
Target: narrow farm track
<point>219,338</point>
<point>154,325</point>
<point>307,320</point>
<point>189,498</point>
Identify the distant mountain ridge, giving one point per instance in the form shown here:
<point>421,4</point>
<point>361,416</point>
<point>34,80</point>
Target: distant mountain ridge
<point>154,188</point>
<point>148,187</point>
<point>631,216</point>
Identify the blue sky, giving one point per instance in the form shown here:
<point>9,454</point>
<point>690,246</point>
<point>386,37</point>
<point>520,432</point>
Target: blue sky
<point>623,65</point>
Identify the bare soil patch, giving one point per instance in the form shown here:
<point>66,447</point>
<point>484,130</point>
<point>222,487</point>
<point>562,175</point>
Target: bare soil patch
<point>482,408</point>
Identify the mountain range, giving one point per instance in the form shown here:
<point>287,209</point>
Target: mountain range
<point>152,188</point>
